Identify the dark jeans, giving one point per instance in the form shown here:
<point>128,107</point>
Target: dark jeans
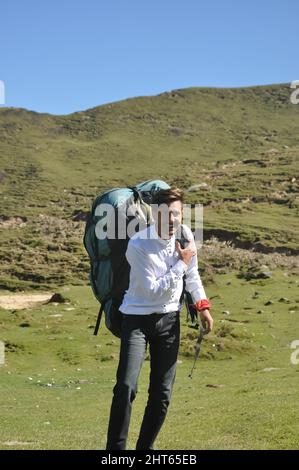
<point>162,333</point>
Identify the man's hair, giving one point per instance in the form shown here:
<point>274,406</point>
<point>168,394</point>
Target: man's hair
<point>167,196</point>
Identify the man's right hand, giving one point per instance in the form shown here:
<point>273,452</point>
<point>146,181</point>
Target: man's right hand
<point>186,254</point>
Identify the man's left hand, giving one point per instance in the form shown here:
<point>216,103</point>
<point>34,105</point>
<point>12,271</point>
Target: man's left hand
<point>206,320</point>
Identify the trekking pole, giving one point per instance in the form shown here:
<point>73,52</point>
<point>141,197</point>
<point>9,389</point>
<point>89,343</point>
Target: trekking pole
<point>202,332</point>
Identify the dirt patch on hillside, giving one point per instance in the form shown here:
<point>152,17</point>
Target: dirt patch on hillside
<point>12,222</point>
<point>21,301</point>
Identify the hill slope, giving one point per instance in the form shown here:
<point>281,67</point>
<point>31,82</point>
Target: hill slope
<point>242,143</point>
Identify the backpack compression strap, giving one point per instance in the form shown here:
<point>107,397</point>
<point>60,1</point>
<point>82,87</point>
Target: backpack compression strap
<point>100,314</point>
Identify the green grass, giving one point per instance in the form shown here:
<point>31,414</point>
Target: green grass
<point>230,403</point>
<point>243,143</point>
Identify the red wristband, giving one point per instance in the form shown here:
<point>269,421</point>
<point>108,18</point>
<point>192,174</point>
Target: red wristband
<point>202,304</point>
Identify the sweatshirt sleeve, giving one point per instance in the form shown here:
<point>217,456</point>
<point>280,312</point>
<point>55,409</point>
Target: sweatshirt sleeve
<point>193,280</point>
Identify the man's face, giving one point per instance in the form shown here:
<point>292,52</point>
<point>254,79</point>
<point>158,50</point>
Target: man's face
<point>169,218</point>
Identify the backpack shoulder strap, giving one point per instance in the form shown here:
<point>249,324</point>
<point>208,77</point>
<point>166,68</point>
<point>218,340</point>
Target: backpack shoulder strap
<point>182,236</point>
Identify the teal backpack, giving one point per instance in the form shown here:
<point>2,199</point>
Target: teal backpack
<point>109,269</point>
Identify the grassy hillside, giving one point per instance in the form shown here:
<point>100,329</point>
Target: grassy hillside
<point>242,143</point>
<point>56,385</point>
<point>242,147</point>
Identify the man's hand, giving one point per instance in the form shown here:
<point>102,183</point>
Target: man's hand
<point>206,320</point>
<point>185,254</point>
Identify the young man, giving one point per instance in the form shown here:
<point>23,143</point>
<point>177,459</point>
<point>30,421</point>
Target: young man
<point>151,308</point>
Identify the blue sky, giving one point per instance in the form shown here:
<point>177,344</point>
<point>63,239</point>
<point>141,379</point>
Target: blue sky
<point>61,56</point>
